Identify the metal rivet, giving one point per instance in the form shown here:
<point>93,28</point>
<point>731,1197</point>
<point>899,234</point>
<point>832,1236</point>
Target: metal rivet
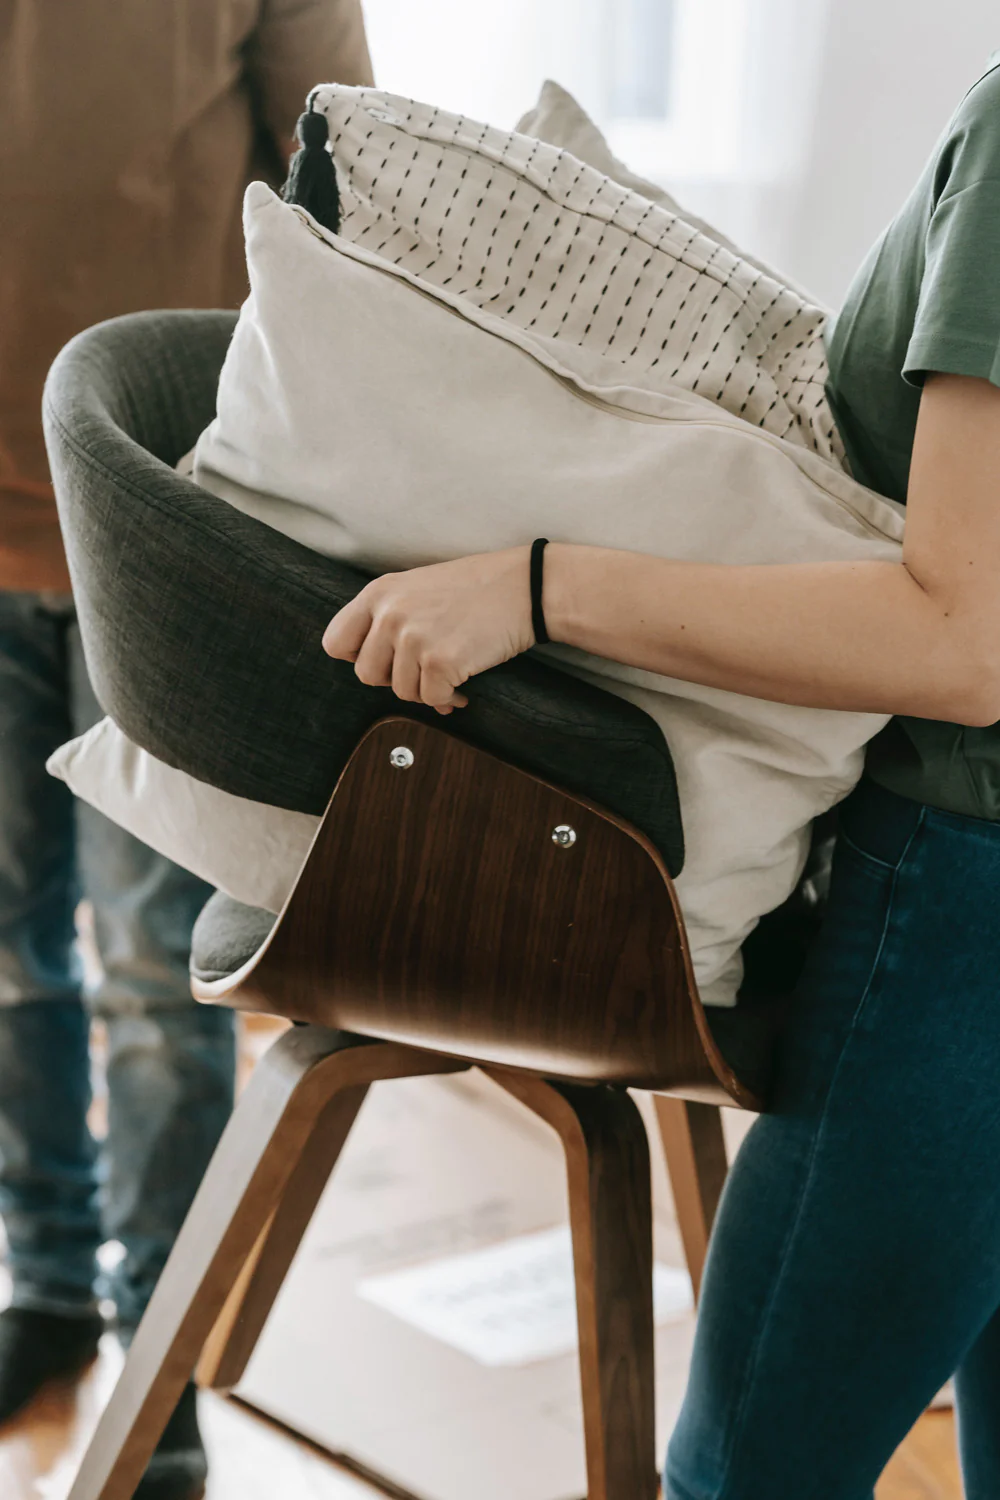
<point>564,836</point>
<point>401,758</point>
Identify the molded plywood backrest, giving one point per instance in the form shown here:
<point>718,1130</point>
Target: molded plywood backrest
<point>453,902</point>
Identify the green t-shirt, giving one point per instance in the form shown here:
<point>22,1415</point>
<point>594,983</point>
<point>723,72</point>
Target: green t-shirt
<point>927,299</point>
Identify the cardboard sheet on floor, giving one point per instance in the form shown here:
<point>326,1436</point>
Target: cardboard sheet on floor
<point>426,1331</point>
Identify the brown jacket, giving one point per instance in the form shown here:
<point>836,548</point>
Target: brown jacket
<point>128,129</point>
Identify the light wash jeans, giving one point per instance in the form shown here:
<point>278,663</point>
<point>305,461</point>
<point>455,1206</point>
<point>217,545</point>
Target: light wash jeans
<point>170,1062</point>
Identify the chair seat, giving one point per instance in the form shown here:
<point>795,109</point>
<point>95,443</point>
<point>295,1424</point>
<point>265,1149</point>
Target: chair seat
<point>227,934</point>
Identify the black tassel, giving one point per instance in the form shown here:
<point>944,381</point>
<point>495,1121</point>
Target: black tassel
<point>312,177</point>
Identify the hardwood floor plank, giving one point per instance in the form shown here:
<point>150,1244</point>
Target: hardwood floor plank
<point>926,1466</point>
<point>250,1459</point>
<point>254,1460</point>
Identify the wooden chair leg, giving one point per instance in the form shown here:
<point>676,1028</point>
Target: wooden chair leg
<point>695,1149</point>
<point>294,1088</point>
<point>231,1342</point>
<point>610,1202</point>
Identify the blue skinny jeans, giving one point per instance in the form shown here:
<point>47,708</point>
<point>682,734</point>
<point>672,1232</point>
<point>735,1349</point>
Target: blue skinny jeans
<point>170,1062</point>
<point>855,1264</point>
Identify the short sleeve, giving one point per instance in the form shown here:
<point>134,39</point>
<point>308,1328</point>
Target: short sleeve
<point>957,326</point>
<point>298,44</point>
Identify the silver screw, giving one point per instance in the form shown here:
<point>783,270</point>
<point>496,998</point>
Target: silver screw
<point>401,758</point>
<point>564,836</point>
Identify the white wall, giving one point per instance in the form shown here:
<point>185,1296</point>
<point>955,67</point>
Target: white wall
<point>799,125</point>
<point>891,73</point>
<point>487,61</point>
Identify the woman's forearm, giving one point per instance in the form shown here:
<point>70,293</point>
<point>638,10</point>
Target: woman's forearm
<point>920,637</point>
<point>860,636</point>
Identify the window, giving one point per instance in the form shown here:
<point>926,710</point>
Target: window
<point>665,79</point>
<point>641,36</point>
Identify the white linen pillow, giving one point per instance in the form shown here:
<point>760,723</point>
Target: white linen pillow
<point>561,121</point>
<point>555,249</point>
<point>250,850</point>
<point>330,429</point>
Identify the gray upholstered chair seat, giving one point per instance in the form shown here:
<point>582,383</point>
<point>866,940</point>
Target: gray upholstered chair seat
<point>226,935</point>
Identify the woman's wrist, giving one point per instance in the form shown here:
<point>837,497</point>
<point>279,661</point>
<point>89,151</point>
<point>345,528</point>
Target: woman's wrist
<point>560,587</point>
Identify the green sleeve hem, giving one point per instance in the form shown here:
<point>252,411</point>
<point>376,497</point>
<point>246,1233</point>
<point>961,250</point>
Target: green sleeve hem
<point>947,355</point>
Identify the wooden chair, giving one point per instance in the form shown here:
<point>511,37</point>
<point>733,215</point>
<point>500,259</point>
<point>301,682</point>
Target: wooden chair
<point>456,910</point>
<point>453,911</point>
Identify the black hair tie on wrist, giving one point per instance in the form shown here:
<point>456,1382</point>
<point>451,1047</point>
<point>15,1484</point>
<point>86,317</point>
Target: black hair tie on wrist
<point>537,575</point>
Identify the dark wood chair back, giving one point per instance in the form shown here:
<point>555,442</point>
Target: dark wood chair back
<point>455,903</point>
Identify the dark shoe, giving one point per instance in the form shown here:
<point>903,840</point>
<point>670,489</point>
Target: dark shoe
<point>39,1348</point>
<point>178,1469</point>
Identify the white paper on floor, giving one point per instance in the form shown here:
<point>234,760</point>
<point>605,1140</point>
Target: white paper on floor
<point>507,1304</point>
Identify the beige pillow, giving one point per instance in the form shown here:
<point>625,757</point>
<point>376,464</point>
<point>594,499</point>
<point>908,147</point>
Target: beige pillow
<point>250,850</point>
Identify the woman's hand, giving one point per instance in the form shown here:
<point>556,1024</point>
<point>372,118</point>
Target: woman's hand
<point>426,632</point>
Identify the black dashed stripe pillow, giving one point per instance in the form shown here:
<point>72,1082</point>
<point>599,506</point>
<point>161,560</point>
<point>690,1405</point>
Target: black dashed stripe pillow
<point>529,232</point>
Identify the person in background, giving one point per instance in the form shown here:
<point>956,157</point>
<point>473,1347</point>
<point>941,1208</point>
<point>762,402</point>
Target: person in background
<point>127,134</point>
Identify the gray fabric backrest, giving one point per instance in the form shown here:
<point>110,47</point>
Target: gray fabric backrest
<point>202,627</point>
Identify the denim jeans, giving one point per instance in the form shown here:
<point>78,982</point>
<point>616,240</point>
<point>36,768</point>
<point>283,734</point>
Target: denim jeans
<point>170,1062</point>
<point>856,1259</point>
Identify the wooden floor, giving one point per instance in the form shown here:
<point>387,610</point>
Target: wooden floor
<point>252,1460</point>
<point>926,1467</point>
